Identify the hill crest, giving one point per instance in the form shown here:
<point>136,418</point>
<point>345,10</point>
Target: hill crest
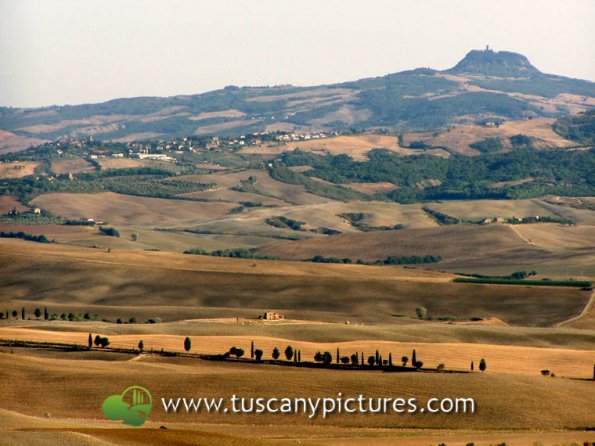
<point>495,63</point>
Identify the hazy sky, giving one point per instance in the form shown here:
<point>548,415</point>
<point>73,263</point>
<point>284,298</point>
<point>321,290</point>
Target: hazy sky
<point>76,51</point>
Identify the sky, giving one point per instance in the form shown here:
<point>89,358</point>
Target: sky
<point>81,51</point>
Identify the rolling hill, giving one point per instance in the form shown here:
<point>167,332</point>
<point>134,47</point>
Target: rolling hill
<point>484,86</point>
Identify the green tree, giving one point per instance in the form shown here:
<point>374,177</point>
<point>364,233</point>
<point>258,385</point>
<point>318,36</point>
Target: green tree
<point>187,344</point>
<point>23,313</point>
<point>289,352</point>
<point>90,342</point>
<point>422,313</point>
<point>37,313</point>
<point>15,313</point>
<point>276,353</point>
<point>252,350</point>
<point>258,354</point>
<point>318,357</point>
<point>46,315</point>
<point>134,236</point>
<point>371,360</point>
<point>404,360</point>
<point>338,356</point>
<point>141,345</point>
<point>472,366</point>
<point>482,365</point>
<point>390,359</point>
<point>86,316</point>
<point>327,358</point>
<point>237,352</point>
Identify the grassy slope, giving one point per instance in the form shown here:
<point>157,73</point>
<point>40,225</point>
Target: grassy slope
<point>62,274</point>
<point>64,390</point>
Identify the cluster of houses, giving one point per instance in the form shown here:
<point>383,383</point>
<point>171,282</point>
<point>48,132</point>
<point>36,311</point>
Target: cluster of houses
<point>304,136</point>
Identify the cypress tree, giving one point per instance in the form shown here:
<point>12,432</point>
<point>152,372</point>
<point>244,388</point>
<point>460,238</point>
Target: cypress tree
<point>390,359</point>
<point>90,341</point>
<point>252,350</point>
<point>46,315</point>
<point>23,313</point>
<point>338,357</point>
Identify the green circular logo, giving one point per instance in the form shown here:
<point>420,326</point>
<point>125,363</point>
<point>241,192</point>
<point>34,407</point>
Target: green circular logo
<point>133,406</point>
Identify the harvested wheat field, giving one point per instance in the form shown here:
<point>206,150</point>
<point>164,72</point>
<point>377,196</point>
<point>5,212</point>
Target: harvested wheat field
<point>66,387</point>
<point>17,169</point>
<point>460,137</point>
<point>502,359</point>
<point>8,203</point>
<point>90,276</point>
<point>488,249</point>
<point>356,146</point>
<point>129,210</point>
<point>67,166</point>
<point>120,163</point>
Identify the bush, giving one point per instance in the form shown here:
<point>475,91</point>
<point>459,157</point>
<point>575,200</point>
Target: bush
<point>110,232</point>
<point>237,352</point>
<point>101,341</point>
<point>289,352</point>
<point>258,354</point>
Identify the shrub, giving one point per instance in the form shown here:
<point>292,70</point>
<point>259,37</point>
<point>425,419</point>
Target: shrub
<point>187,344</point>
<point>101,341</point>
<point>110,232</point>
<point>289,352</point>
<point>237,352</point>
<point>258,354</point>
<point>422,313</point>
<point>345,360</point>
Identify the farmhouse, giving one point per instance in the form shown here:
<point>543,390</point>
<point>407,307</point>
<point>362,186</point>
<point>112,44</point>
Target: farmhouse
<point>273,316</point>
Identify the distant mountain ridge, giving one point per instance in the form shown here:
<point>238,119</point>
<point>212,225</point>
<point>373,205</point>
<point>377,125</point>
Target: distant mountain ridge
<point>484,86</point>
